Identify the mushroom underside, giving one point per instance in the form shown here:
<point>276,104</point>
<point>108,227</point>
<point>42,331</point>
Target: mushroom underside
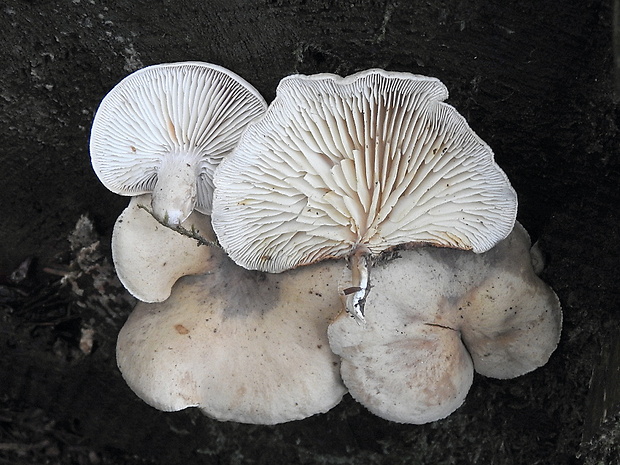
<point>370,162</point>
<point>351,167</point>
<point>165,128</point>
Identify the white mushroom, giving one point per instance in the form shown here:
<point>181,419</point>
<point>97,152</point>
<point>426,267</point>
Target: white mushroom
<point>149,257</point>
<point>436,314</point>
<point>241,345</point>
<point>351,167</point>
<point>164,129</point>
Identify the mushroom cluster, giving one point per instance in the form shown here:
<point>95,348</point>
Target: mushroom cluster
<point>318,279</point>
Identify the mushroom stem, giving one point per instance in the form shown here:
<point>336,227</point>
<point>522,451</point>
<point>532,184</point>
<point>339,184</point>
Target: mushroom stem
<point>356,294</point>
<point>174,195</point>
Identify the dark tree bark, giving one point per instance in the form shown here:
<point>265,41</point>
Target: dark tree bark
<point>535,79</point>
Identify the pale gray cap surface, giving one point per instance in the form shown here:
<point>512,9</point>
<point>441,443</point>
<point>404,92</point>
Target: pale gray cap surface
<point>241,345</point>
<point>149,257</point>
<point>434,316</point>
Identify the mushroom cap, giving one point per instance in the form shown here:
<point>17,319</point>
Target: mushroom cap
<point>149,257</point>
<point>177,114</point>
<point>434,316</point>
<point>514,320</point>
<point>240,345</point>
<point>408,374</point>
<point>370,161</point>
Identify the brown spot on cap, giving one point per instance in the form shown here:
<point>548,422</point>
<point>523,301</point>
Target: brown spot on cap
<point>181,329</point>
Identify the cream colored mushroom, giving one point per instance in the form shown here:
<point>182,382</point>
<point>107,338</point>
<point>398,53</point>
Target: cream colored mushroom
<point>351,167</point>
<point>149,257</point>
<point>164,129</point>
<point>241,345</point>
<point>434,316</point>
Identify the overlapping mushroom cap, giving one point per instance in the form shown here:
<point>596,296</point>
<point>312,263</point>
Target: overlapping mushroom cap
<point>241,345</point>
<point>434,316</point>
<point>358,164</point>
<point>164,129</point>
<point>149,257</point>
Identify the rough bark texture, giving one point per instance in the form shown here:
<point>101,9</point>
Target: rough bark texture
<point>534,79</point>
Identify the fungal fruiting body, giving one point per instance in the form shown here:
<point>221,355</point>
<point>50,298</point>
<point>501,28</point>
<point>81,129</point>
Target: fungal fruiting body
<point>164,129</point>
<point>159,134</point>
<point>351,167</point>
<point>436,315</point>
<point>149,257</point>
<point>241,345</point>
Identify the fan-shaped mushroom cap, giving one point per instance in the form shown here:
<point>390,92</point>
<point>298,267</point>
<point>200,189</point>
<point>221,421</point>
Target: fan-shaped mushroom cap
<point>434,311</point>
<point>149,257</point>
<point>164,129</point>
<point>513,321</point>
<point>240,345</point>
<point>362,163</point>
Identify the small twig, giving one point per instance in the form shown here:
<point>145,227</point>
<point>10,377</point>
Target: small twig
<point>56,271</point>
<point>184,231</point>
<point>16,446</point>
